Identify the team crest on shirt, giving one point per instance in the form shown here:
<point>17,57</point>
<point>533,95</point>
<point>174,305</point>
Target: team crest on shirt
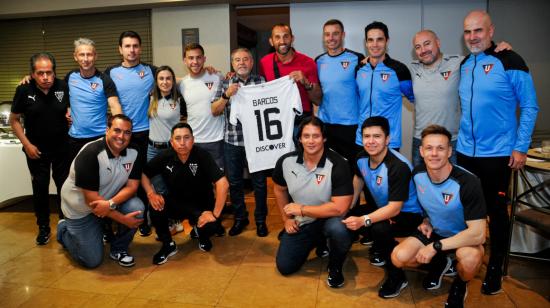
<point>94,85</point>
<point>127,166</point>
<point>59,95</point>
<point>385,76</point>
<point>141,74</point>
<point>447,198</point>
<point>487,68</point>
<point>209,85</point>
<point>345,64</point>
<point>319,178</point>
<point>446,74</point>
<point>193,167</point>
<point>378,180</point>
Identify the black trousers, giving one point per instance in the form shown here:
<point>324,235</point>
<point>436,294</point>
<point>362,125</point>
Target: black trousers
<point>341,138</point>
<point>40,178</point>
<point>76,144</point>
<point>384,232</point>
<point>181,210</point>
<point>140,140</point>
<point>494,174</point>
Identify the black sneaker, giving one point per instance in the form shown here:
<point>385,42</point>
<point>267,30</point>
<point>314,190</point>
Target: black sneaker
<point>376,259</point>
<point>432,281</point>
<point>165,252</point>
<point>205,244</point>
<point>493,281</point>
<point>261,229</point>
<point>452,272</point>
<point>238,227</point>
<point>457,294</point>
<point>392,287</point>
<point>123,258</point>
<point>335,278</point>
<point>43,236</point>
<point>220,231</point>
<point>144,230</point>
<point>366,241</point>
<point>322,251</point>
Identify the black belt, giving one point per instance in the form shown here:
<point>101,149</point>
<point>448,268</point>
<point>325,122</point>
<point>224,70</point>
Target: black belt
<point>159,145</point>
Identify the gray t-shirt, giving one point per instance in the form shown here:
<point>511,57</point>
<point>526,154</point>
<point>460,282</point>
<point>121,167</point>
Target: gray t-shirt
<point>436,94</point>
<point>169,112</point>
<point>330,178</point>
<point>95,168</point>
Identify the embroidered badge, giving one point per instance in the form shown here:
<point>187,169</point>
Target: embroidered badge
<point>59,95</point>
<point>319,178</point>
<point>193,167</point>
<point>447,198</point>
<point>446,74</point>
<point>385,76</point>
<point>209,85</point>
<point>378,180</point>
<point>345,64</point>
<point>127,166</point>
<point>94,85</point>
<point>487,68</point>
<point>141,74</point>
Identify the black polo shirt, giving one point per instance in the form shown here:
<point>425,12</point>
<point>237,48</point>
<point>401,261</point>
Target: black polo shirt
<point>190,182</point>
<point>44,114</point>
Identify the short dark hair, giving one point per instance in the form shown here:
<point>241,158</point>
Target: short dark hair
<point>121,116</point>
<point>377,25</point>
<point>132,34</point>
<point>283,25</point>
<point>377,121</point>
<point>333,22</point>
<point>180,125</point>
<point>39,56</point>
<point>192,46</point>
<point>312,120</point>
<point>435,129</point>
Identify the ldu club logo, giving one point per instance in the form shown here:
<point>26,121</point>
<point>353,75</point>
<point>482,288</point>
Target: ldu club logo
<point>193,167</point>
<point>319,178</point>
<point>487,68</point>
<point>127,166</point>
<point>209,85</point>
<point>345,64</point>
<point>378,180</point>
<point>94,85</point>
<point>446,74</point>
<point>385,76</point>
<point>447,198</point>
<point>141,74</point>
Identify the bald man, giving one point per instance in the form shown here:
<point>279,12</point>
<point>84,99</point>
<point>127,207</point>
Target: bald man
<point>435,78</point>
<point>491,141</point>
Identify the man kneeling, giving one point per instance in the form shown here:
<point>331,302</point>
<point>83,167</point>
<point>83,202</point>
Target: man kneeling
<point>453,202</point>
<point>189,173</point>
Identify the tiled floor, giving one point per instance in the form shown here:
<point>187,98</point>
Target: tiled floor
<point>238,272</point>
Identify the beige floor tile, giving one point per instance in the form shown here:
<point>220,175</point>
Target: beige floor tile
<point>360,290</point>
<point>147,303</point>
<point>522,296</point>
<point>13,295</point>
<point>109,278</point>
<point>259,286</point>
<point>36,267</point>
<point>196,279</point>
<point>58,298</point>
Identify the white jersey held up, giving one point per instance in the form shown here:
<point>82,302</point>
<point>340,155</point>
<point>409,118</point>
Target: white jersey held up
<point>266,112</point>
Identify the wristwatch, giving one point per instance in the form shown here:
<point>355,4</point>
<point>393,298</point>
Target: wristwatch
<point>112,204</point>
<point>368,222</point>
<point>437,246</point>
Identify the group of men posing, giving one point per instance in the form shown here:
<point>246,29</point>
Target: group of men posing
<point>465,106</point>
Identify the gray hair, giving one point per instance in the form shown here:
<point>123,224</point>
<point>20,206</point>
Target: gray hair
<point>83,41</point>
<point>241,49</point>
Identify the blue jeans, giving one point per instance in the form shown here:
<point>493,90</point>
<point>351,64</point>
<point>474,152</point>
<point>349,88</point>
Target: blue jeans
<point>83,237</point>
<point>417,159</point>
<point>235,161</point>
<point>157,181</point>
<point>215,149</point>
<point>294,248</point>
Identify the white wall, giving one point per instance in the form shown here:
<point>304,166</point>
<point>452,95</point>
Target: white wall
<point>213,24</point>
<point>403,17</point>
